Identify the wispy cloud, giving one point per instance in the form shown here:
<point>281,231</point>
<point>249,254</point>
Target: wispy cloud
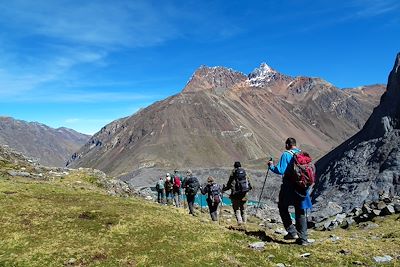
<point>42,41</point>
<point>78,97</point>
<point>372,8</point>
<point>99,23</point>
<point>354,10</point>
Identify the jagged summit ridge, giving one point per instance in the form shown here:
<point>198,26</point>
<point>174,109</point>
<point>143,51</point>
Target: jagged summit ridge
<point>218,79</point>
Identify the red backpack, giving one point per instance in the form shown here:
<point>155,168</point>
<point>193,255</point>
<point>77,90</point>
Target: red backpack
<point>303,174</point>
<point>177,182</point>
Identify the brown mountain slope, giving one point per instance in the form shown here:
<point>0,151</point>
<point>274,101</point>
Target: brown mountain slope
<point>51,147</point>
<point>222,116</point>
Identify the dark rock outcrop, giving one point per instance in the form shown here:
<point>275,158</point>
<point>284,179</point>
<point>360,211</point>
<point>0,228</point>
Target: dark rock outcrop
<point>368,164</point>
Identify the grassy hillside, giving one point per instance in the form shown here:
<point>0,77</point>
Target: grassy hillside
<point>71,222</point>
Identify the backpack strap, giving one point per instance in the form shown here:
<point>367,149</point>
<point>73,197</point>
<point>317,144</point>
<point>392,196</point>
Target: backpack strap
<point>291,152</point>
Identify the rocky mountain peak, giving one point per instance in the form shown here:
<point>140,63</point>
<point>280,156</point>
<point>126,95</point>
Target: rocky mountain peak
<point>265,76</point>
<point>261,75</point>
<point>217,79</point>
<point>368,164</point>
<point>386,116</point>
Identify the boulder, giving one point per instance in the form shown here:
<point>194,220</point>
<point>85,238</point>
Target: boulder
<point>383,259</point>
<point>388,210</point>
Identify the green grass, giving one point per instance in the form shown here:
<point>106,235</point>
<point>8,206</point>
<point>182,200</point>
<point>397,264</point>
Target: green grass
<point>50,223</point>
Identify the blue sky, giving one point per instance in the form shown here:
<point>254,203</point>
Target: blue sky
<point>83,64</point>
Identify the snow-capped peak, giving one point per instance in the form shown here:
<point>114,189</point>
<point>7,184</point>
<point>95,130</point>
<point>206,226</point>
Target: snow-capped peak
<point>261,75</point>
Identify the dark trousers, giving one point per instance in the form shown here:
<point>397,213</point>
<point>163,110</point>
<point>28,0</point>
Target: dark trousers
<point>190,200</point>
<point>289,197</point>
<point>213,208</point>
<point>160,196</point>
<point>169,196</point>
<point>239,201</point>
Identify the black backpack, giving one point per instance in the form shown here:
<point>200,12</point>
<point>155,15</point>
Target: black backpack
<point>192,186</point>
<point>215,193</point>
<point>242,184</point>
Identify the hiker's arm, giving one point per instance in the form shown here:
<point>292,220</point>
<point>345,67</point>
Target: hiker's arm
<point>249,180</point>
<point>204,189</point>
<point>229,184</point>
<point>280,168</point>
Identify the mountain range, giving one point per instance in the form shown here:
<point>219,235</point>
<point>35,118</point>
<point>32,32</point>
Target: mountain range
<point>223,115</point>
<point>46,145</point>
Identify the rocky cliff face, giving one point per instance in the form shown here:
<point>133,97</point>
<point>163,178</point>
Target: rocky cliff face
<point>368,164</point>
<point>51,147</point>
<point>222,116</point>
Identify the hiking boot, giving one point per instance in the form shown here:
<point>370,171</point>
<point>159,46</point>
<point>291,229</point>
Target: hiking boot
<point>290,236</point>
<point>302,242</point>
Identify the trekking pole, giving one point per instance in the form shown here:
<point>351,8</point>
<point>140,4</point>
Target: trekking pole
<point>201,203</point>
<point>265,180</point>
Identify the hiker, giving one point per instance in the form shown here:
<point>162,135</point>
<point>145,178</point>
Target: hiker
<point>290,196</point>
<point>160,190</point>
<point>191,186</point>
<point>176,188</point>
<point>239,184</point>
<point>214,196</point>
<point>168,188</point>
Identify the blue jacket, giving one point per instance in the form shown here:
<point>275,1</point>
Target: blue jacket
<point>285,163</point>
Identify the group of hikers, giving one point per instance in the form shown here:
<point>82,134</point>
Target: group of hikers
<point>293,192</point>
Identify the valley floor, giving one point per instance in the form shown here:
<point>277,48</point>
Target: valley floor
<point>72,222</point>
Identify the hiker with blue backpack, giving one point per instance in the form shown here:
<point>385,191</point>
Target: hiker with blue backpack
<point>160,190</point>
<point>240,185</point>
<point>298,177</point>
<point>213,191</point>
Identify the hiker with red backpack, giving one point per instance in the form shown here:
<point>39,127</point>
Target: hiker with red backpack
<point>298,177</point>
<point>176,188</point>
<point>239,184</point>
<point>213,190</point>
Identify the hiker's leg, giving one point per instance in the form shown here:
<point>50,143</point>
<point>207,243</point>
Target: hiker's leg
<point>283,206</point>
<point>213,211</point>
<point>176,199</point>
<point>236,210</point>
<point>162,197</point>
<point>243,207</point>
<point>158,196</point>
<point>168,196</point>
<point>301,223</point>
<point>190,200</point>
